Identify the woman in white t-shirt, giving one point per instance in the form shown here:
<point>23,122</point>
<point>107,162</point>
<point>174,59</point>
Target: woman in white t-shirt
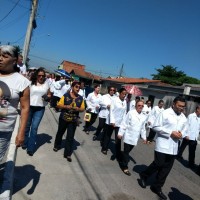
<point>13,89</point>
<point>39,97</point>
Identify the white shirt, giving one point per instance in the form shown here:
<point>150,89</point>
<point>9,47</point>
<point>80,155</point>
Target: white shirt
<point>104,102</point>
<point>14,84</point>
<point>193,123</point>
<point>155,112</point>
<point>36,93</point>
<point>22,68</point>
<point>132,105</point>
<point>60,88</point>
<point>92,102</point>
<point>146,110</point>
<point>167,122</point>
<point>132,127</point>
<point>117,112</point>
<point>82,93</point>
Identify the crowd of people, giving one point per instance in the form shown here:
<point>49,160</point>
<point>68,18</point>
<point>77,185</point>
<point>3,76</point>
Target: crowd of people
<point>130,119</point>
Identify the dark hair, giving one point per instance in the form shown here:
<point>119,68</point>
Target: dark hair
<point>35,74</point>
<point>121,90</point>
<point>160,101</point>
<point>109,88</point>
<point>198,106</point>
<point>76,83</point>
<point>137,97</point>
<point>96,86</point>
<point>179,98</point>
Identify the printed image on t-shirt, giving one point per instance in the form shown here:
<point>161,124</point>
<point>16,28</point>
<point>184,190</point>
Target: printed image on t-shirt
<point>5,96</point>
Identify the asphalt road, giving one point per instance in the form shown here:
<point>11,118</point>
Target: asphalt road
<point>92,175</point>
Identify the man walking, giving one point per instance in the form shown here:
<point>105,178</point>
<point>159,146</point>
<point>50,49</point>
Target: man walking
<point>170,127</point>
<point>193,123</point>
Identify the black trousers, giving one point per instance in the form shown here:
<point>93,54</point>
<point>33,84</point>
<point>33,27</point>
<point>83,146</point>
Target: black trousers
<point>192,148</point>
<point>105,143</point>
<point>100,126</point>
<point>125,156</point>
<point>162,164</point>
<point>71,128</point>
<point>92,120</point>
<point>151,136</point>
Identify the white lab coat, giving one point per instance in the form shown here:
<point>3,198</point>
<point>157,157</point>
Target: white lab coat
<point>92,102</point>
<point>132,127</point>
<point>155,112</point>
<point>60,88</point>
<point>105,100</point>
<point>193,123</point>
<point>117,112</point>
<point>167,122</point>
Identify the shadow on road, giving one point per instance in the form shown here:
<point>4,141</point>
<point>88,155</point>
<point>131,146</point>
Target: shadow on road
<point>176,194</point>
<point>23,175</point>
<point>42,139</point>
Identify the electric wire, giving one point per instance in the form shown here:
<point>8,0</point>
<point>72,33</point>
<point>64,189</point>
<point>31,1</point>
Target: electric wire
<point>10,11</point>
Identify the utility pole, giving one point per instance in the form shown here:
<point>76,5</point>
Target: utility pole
<point>121,71</point>
<point>31,26</point>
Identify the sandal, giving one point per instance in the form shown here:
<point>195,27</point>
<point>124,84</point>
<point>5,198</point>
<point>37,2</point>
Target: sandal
<point>127,172</point>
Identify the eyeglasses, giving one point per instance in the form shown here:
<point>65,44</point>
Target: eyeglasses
<point>140,105</point>
<point>112,90</point>
<point>41,75</point>
<point>77,86</point>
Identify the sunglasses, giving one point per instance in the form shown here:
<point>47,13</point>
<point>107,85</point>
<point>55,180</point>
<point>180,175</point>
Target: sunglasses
<point>112,90</point>
<point>140,105</point>
<point>77,86</point>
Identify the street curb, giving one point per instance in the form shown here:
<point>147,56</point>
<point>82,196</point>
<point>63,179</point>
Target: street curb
<point>8,176</point>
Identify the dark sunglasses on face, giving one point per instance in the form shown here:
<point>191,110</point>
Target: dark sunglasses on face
<point>77,86</point>
<point>112,90</point>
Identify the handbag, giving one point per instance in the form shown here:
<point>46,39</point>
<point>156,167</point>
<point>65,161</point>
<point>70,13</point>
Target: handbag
<point>87,117</point>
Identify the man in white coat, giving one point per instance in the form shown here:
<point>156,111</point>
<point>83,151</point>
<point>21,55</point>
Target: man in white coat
<point>193,123</point>
<point>170,126</point>
<point>155,112</point>
<point>105,103</point>
<point>132,127</point>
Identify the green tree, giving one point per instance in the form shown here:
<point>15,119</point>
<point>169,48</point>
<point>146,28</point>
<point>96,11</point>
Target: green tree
<point>169,74</point>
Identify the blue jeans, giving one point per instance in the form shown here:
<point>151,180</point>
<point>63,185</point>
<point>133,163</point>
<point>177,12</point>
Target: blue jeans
<point>4,143</point>
<point>34,119</point>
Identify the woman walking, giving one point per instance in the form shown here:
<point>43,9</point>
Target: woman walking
<point>13,90</point>
<point>113,121</point>
<point>70,104</point>
<point>39,96</point>
<point>92,101</point>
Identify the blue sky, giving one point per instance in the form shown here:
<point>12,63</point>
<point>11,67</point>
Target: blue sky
<point>104,34</point>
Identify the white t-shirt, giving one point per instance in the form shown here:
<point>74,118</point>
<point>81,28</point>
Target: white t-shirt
<point>36,93</point>
<point>22,69</point>
<point>10,88</point>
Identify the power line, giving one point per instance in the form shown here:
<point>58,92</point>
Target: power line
<point>14,21</point>
<point>10,11</point>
